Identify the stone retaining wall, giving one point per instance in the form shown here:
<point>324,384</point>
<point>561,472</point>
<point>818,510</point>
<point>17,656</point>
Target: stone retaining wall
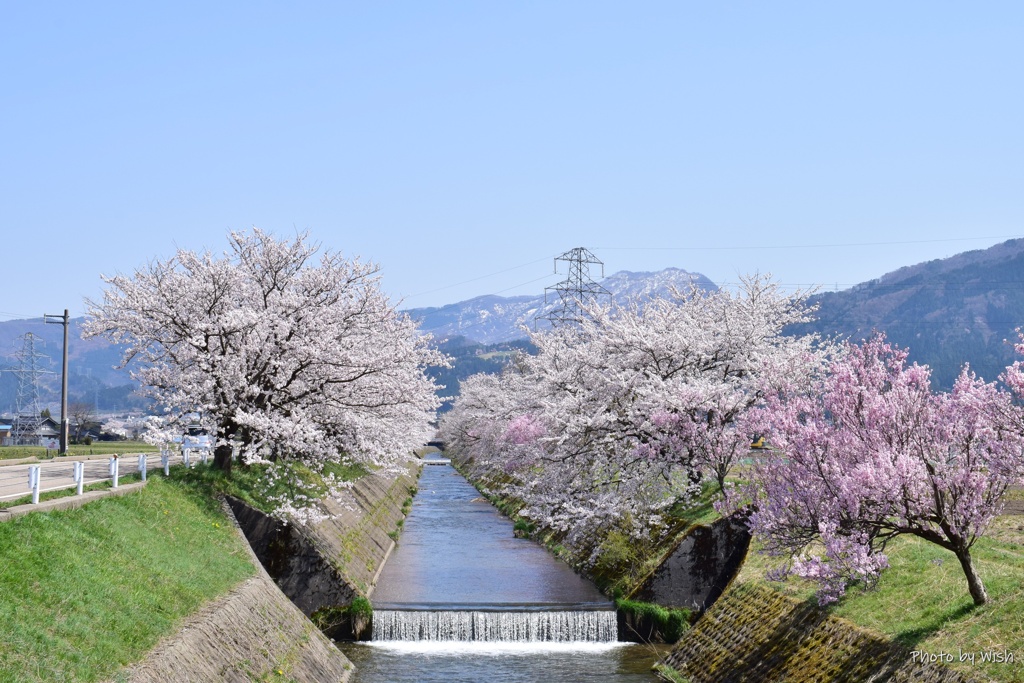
<point>753,633</point>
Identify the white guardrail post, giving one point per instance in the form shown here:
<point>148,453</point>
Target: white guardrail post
<point>79,476</point>
<point>33,482</point>
<point>142,466</point>
<point>185,453</point>
<point>113,471</point>
<point>165,462</point>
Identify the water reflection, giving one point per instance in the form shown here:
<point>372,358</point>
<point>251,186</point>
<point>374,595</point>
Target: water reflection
<point>412,662</point>
<point>456,548</point>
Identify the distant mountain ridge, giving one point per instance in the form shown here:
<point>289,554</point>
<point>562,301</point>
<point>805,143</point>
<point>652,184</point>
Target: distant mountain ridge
<point>947,312</point>
<point>496,319</point>
<point>962,309</point>
<point>92,377</point>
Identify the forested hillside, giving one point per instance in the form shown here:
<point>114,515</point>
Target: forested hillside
<point>948,312</point>
<point>469,358</point>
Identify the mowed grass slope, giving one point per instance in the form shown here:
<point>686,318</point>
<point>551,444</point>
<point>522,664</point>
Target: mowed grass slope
<point>922,600</point>
<point>84,592</point>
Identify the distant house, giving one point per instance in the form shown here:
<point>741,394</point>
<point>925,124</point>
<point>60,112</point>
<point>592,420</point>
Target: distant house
<point>48,433</point>
<point>30,431</point>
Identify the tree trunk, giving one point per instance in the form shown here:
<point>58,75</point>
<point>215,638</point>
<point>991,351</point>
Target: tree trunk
<point>222,458</point>
<point>973,580</point>
<point>226,432</point>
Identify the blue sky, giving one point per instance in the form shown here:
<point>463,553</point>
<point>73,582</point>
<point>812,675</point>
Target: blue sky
<point>462,145</point>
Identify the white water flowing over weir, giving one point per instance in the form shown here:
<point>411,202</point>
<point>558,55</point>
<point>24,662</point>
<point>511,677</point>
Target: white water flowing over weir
<point>539,626</point>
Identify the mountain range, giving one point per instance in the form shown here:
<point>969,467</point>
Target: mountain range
<point>496,319</point>
<point>962,309</point>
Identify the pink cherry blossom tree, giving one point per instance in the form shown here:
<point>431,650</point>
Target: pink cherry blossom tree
<point>283,350</point>
<point>870,452</point>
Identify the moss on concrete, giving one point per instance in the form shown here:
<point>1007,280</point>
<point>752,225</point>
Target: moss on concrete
<point>754,633</point>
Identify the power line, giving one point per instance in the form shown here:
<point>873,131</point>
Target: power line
<point>808,246</point>
<point>482,277</point>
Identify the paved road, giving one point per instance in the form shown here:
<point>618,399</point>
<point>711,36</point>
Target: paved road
<point>59,474</point>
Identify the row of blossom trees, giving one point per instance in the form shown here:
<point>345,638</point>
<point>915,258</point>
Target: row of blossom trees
<point>616,419</point>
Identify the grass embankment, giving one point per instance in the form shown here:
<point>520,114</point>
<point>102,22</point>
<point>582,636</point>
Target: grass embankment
<point>922,601</point>
<point>86,591</point>
<point>96,448</point>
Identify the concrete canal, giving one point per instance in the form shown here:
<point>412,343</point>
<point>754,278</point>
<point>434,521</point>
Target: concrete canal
<point>462,599</point>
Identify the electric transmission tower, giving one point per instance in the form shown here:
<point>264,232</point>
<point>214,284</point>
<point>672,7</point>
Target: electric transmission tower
<point>29,407</point>
<point>577,291</point>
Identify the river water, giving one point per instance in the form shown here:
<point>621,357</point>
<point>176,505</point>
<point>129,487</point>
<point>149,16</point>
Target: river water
<point>457,555</point>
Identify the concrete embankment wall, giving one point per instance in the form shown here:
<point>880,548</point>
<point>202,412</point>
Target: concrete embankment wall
<point>253,633</point>
<point>698,570</point>
<point>337,560</point>
<point>356,538</point>
<point>753,633</point>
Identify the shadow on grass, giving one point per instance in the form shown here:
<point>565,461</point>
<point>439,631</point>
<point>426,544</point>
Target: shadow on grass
<point>913,636</point>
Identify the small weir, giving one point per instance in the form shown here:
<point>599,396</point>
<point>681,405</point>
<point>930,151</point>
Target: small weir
<point>462,599</point>
<point>497,624</point>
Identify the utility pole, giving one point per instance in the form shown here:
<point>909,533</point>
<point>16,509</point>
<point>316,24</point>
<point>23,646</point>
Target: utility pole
<point>62,320</point>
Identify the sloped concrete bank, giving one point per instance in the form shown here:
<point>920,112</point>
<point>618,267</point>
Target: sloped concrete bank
<point>253,633</point>
<point>701,566</point>
<point>692,576</point>
<point>753,633</point>
<point>358,537</point>
<point>324,568</point>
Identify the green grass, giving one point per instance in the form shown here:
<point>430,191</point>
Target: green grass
<point>670,622</point>
<point>86,591</point>
<point>667,673</point>
<point>922,601</point>
<point>96,448</point>
<point>248,483</point>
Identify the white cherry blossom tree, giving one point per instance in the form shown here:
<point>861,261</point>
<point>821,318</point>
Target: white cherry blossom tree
<point>283,350</point>
<point>614,420</point>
